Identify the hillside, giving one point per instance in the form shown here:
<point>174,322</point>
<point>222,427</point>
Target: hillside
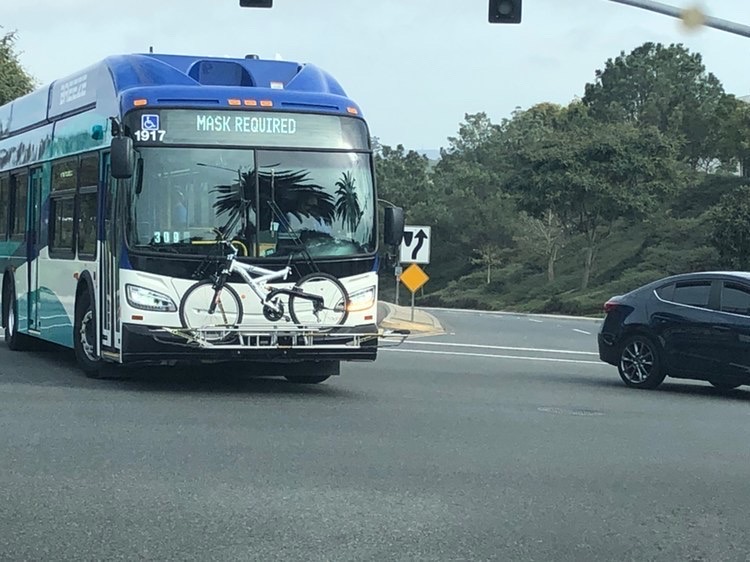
<point>674,239</point>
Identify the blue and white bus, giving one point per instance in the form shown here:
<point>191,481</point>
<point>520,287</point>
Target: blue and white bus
<point>97,258</point>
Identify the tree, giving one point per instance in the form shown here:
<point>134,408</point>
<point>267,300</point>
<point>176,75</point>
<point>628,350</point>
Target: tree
<point>14,80</point>
<point>474,134</point>
<point>469,183</point>
<point>733,134</point>
<point>544,236</point>
<point>591,174</point>
<point>664,87</point>
<point>730,221</point>
<point>487,255</point>
<point>472,209</point>
<point>403,177</point>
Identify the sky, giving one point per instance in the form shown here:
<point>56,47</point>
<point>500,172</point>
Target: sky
<point>415,67</point>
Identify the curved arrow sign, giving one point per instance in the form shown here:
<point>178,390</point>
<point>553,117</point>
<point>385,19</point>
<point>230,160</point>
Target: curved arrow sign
<point>415,246</point>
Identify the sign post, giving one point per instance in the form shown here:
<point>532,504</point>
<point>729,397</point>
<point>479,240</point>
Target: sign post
<point>415,248</point>
<point>691,17</point>
<point>414,277</point>
<point>398,270</point>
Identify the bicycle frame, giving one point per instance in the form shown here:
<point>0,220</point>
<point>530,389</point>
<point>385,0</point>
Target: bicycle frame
<point>263,276</point>
<point>258,284</point>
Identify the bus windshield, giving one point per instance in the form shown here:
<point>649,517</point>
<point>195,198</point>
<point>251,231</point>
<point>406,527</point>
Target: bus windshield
<point>323,201</point>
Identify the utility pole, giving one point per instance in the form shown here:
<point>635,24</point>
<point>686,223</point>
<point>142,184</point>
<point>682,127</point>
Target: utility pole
<point>708,21</point>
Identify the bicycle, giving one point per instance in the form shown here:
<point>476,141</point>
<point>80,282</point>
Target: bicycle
<point>317,299</point>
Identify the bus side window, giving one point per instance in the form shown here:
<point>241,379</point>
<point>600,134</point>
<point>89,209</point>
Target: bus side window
<point>88,183</point>
<point>4,206</point>
<point>62,207</point>
<point>19,189</point>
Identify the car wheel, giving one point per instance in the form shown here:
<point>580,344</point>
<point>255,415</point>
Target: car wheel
<point>725,385</point>
<point>640,363</point>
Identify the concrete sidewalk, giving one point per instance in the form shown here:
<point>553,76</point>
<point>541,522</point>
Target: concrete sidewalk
<point>393,317</point>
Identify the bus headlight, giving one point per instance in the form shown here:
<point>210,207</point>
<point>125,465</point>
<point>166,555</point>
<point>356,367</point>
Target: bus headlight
<point>146,299</point>
<point>361,300</point>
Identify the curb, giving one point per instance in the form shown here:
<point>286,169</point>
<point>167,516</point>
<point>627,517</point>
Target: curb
<point>433,328</point>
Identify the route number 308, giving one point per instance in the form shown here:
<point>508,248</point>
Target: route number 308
<point>152,136</point>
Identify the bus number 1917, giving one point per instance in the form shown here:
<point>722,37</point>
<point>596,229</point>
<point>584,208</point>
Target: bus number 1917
<point>150,136</point>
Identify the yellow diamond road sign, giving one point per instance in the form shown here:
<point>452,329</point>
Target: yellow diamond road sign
<point>414,277</point>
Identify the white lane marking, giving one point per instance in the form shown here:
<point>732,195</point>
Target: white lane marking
<point>502,347</point>
<point>494,356</point>
<point>535,320</point>
<point>581,331</point>
<point>516,314</point>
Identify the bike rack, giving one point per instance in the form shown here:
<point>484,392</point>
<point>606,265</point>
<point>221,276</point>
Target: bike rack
<point>271,337</point>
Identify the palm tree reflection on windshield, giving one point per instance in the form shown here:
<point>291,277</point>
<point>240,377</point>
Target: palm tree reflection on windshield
<point>287,189</point>
<point>347,207</point>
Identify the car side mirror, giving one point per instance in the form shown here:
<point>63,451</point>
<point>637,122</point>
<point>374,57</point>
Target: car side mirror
<point>122,158</point>
<point>393,226</point>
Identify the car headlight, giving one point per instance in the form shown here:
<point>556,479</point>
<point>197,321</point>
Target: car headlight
<point>146,299</point>
<point>361,300</point>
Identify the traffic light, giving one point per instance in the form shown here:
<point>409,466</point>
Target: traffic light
<point>256,3</point>
<point>505,11</point>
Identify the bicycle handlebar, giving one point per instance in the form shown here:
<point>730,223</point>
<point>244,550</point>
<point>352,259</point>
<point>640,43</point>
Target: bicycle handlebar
<point>221,239</point>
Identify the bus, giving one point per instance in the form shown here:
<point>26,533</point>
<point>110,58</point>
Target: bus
<point>114,182</point>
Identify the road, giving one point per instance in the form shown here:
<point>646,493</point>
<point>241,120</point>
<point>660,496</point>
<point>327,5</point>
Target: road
<point>526,448</point>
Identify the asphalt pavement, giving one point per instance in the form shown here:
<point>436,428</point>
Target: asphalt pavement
<point>503,438</point>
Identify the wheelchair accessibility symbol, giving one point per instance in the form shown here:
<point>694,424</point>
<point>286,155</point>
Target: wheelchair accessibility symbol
<point>150,122</point>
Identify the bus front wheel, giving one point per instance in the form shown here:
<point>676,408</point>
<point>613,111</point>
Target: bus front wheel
<point>84,336</point>
<point>14,340</point>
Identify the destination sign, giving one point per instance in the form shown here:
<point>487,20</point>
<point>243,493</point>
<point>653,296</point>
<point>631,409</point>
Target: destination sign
<point>249,128</point>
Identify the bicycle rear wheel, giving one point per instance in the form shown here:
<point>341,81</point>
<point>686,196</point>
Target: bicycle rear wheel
<point>194,310</point>
<point>328,310</point>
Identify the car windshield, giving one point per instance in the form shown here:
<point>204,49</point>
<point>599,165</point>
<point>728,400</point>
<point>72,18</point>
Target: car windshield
<point>272,203</point>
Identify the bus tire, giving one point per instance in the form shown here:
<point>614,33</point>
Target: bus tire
<point>14,340</point>
<point>84,337</point>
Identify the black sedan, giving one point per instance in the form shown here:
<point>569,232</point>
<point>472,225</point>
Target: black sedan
<point>691,326</point>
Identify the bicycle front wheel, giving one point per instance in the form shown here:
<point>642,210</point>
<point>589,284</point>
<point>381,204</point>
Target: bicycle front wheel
<point>319,299</point>
<point>195,315</point>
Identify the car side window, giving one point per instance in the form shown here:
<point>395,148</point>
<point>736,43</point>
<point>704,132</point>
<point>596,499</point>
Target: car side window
<point>735,298</point>
<point>665,292</point>
<point>692,293</point>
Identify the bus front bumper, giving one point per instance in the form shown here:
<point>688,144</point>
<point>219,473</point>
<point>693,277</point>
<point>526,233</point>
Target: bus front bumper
<point>156,345</point>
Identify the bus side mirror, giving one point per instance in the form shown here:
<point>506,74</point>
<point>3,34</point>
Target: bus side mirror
<point>122,158</point>
<point>393,226</point>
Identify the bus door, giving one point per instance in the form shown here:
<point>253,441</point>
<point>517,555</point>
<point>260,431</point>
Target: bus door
<point>33,245</point>
<point>109,267</point>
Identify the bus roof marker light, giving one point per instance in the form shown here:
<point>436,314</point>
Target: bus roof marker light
<point>140,102</point>
<point>234,102</point>
<point>252,103</point>
<point>266,103</point>
<point>353,110</point>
